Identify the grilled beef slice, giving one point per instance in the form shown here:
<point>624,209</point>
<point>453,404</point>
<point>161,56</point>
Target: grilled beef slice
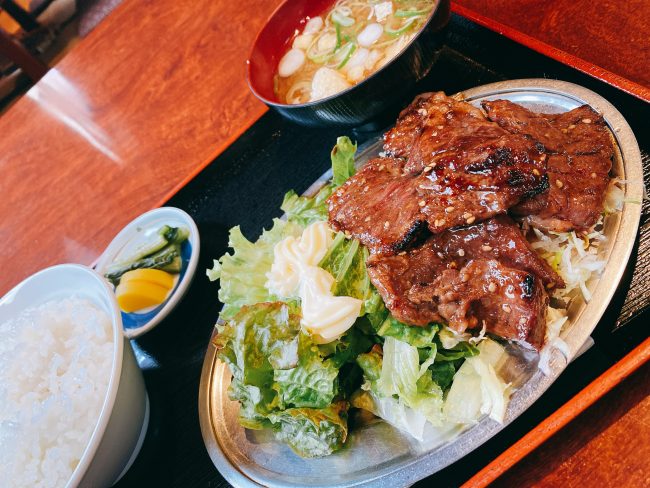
<point>379,206</point>
<point>454,168</point>
<point>484,272</point>
<point>579,150</point>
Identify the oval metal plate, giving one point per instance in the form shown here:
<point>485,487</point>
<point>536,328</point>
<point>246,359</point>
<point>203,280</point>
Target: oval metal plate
<point>377,454</point>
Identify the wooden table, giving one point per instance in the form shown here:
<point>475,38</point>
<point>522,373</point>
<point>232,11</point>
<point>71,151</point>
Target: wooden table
<point>607,39</point>
<point>140,106</point>
<point>136,110</point>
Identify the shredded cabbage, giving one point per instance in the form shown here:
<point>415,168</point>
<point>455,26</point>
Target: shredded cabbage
<point>555,320</point>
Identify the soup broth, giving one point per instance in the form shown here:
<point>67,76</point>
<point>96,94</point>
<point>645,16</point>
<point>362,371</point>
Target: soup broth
<point>345,45</point>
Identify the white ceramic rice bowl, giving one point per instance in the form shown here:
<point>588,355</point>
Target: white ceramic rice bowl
<point>124,415</point>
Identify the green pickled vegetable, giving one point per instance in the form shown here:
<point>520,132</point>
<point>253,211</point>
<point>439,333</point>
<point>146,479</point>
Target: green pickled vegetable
<point>162,251</point>
<point>168,259</point>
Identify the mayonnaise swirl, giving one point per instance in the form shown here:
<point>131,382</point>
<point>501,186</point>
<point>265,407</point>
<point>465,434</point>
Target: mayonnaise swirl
<point>295,272</point>
<point>325,316</point>
<point>292,255</point>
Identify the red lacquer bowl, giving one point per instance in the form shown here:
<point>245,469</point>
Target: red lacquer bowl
<point>358,104</point>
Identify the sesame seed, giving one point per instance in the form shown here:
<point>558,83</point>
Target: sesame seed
<point>522,321</point>
<point>464,277</point>
<point>434,134</point>
<point>421,111</point>
<point>586,121</point>
<point>427,169</point>
<point>367,219</point>
<point>550,285</point>
<point>363,181</point>
<point>542,157</point>
<point>535,172</point>
<point>486,248</point>
<point>440,223</point>
<point>467,215</point>
<point>366,188</point>
<point>440,127</point>
<point>401,253</point>
<point>471,220</point>
<point>506,308</point>
<point>449,209</point>
<point>422,203</point>
<point>572,126</point>
<point>546,135</point>
<point>492,287</point>
<point>593,175</point>
<point>564,131</point>
<point>386,224</point>
<point>461,252</point>
<point>559,184</point>
<point>440,255</point>
<point>382,167</point>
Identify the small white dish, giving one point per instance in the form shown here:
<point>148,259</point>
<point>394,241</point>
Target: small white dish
<point>137,323</point>
<point>124,417</point>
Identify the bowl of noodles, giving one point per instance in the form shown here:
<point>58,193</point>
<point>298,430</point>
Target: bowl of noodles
<point>344,62</point>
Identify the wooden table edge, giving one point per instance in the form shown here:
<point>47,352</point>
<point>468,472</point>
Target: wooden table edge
<point>563,57</point>
<point>562,416</point>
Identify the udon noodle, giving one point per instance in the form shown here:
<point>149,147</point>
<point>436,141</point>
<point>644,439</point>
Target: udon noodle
<point>345,45</point>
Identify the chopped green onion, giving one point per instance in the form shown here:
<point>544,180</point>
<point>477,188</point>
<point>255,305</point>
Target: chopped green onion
<point>406,26</point>
<point>351,49</point>
<point>411,13</point>
<point>338,37</point>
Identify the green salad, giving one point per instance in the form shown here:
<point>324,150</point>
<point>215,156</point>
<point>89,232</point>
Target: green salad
<point>303,388</point>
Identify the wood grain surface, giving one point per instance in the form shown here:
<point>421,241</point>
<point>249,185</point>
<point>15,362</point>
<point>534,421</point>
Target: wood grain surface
<point>607,446</point>
<point>136,109</point>
<point>608,39</point>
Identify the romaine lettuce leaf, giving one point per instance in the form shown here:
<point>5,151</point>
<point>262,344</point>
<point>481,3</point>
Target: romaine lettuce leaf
<point>307,210</point>
<point>346,262</point>
<point>375,309</point>
<point>312,383</point>
<point>283,380</point>
<point>442,372</point>
<point>399,374</point>
<point>343,160</point>
<point>312,432</point>
<point>348,347</point>
<point>477,389</point>
<point>243,273</point>
<point>414,336</point>
<point>257,340</point>
<point>371,364</point>
<point>392,411</point>
<point>461,350</point>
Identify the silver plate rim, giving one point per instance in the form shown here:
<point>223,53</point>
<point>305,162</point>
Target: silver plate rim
<point>619,254</point>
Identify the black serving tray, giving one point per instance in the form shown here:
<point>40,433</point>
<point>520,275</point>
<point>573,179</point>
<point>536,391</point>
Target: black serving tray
<point>245,185</point>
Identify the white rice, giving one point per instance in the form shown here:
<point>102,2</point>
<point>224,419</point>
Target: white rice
<point>55,364</point>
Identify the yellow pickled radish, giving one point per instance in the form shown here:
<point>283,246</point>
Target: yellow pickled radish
<point>156,276</point>
<point>136,294</point>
